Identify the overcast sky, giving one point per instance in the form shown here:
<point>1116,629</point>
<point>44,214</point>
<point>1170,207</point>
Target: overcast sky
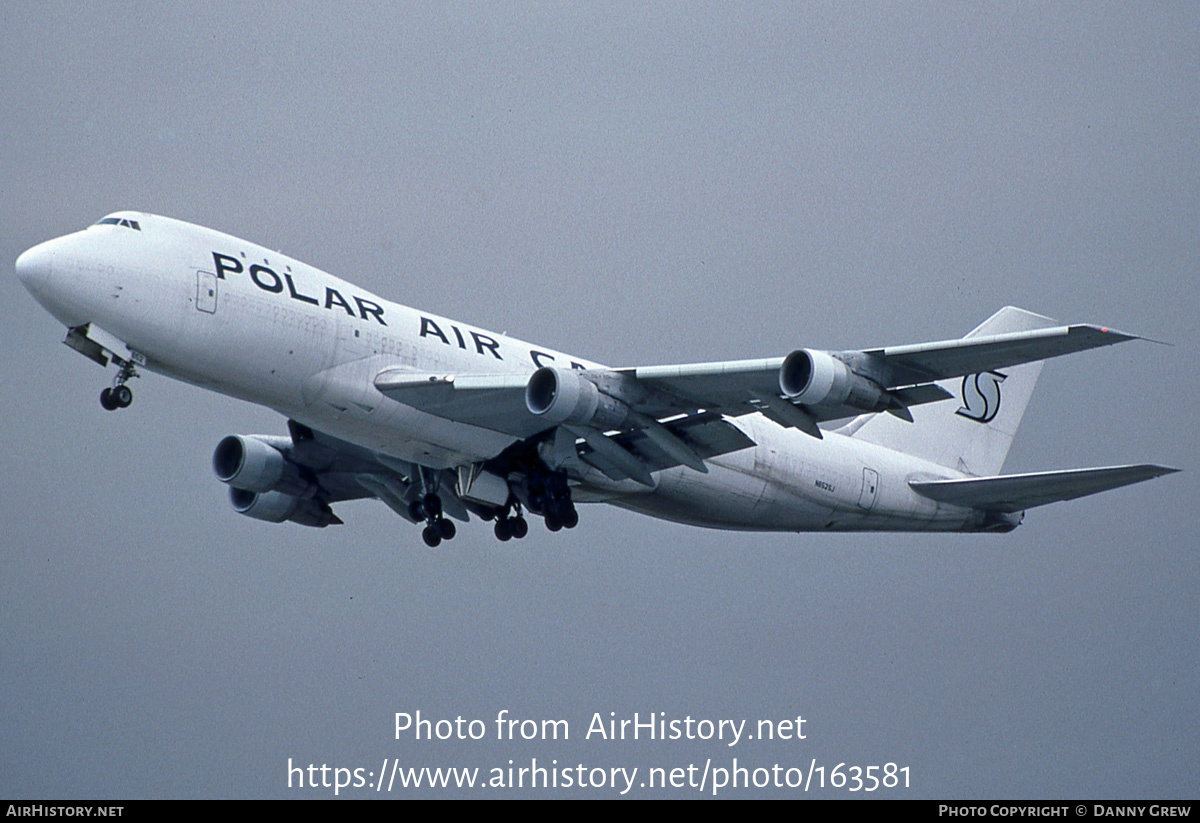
<point>637,184</point>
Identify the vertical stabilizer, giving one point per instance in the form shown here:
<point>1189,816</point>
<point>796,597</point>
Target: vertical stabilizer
<point>972,432</point>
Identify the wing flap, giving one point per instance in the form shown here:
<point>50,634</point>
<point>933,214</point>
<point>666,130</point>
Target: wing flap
<point>920,395</point>
<point>707,435</point>
<point>1016,492</point>
<point>709,385</point>
<point>490,401</point>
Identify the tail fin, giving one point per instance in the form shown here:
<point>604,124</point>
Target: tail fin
<point>973,433</point>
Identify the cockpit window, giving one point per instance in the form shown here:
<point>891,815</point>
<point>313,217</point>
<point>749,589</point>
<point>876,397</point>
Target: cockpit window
<point>120,221</point>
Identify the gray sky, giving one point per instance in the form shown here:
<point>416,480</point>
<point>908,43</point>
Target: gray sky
<point>637,184</point>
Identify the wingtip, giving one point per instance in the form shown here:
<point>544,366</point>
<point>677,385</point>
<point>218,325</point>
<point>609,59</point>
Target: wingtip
<point>1149,471</point>
<point>1121,336</point>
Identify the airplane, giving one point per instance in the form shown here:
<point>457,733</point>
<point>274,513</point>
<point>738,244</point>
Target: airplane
<point>442,421</point>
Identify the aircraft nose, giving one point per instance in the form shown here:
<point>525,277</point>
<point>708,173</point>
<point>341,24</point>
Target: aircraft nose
<point>35,266</point>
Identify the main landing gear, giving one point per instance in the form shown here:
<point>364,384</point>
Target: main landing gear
<point>532,490</point>
<point>552,498</point>
<point>561,515</point>
<point>549,497</point>
<point>437,527</point>
<point>119,396</point>
<point>509,525</point>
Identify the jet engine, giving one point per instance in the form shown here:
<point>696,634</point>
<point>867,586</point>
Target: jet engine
<point>251,463</point>
<point>816,378</point>
<point>565,396</point>
<point>276,507</point>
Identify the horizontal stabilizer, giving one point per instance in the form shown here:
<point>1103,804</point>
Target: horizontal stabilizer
<point>1016,492</point>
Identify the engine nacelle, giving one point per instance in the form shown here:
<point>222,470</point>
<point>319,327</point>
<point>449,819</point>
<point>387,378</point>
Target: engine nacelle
<point>253,465</point>
<point>816,378</point>
<point>276,507</point>
<point>565,396</point>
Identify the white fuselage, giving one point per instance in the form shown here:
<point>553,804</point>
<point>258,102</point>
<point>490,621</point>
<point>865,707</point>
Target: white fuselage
<point>228,315</point>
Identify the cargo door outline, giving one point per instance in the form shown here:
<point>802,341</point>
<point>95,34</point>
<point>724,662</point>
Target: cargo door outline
<point>870,489</point>
<point>206,292</point>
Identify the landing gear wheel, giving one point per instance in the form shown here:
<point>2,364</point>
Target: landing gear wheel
<point>504,530</point>
<point>119,396</point>
<point>553,523</point>
<point>518,527</point>
<point>416,510</point>
<point>446,529</point>
<point>431,536</point>
<point>570,517</point>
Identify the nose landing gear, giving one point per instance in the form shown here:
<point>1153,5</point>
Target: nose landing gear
<point>119,396</point>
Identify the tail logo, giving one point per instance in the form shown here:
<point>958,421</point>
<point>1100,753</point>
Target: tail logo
<point>981,396</point>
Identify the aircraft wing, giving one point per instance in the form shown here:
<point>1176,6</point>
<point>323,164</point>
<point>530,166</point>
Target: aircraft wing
<point>924,362</point>
<point>800,390</point>
<point>896,377</point>
<point>321,470</point>
<point>639,444</point>
<point>893,367</point>
<point>1016,492</point>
